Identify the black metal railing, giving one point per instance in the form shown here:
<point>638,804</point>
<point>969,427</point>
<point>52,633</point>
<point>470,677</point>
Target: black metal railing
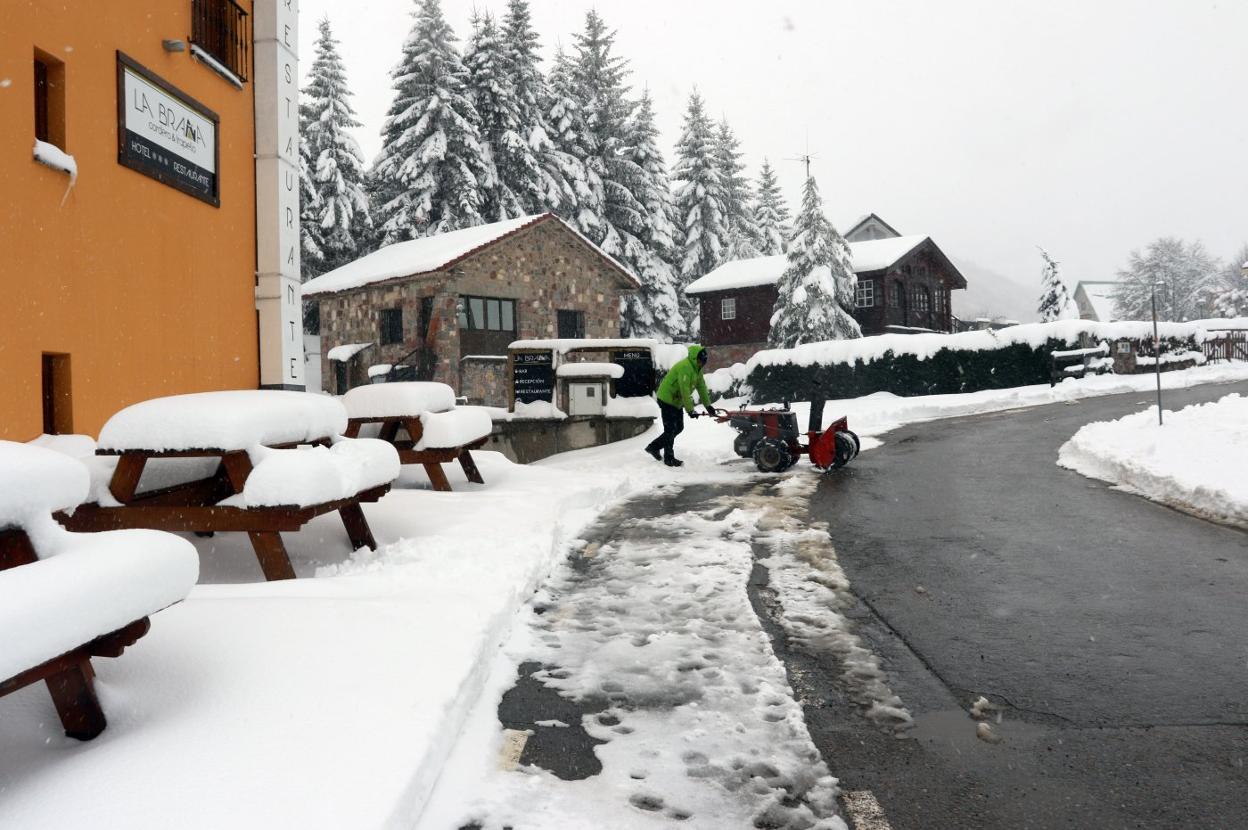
<point>222,29</point>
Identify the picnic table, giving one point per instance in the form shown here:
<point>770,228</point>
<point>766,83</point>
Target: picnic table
<point>436,431</point>
<point>68,597</point>
<point>260,462</point>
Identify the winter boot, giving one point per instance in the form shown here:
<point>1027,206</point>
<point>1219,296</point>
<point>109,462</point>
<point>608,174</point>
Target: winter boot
<point>672,461</point>
<point>653,451</point>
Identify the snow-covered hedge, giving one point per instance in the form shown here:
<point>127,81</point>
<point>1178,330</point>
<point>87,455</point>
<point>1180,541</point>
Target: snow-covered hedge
<point>932,364</point>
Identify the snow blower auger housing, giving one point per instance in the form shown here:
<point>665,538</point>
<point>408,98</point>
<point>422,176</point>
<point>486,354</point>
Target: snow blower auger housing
<point>770,436</point>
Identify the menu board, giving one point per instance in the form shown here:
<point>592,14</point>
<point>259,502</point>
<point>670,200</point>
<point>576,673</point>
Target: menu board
<point>638,378</point>
<point>533,376</point>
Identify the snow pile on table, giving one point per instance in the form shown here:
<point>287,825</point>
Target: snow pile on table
<point>37,481</point>
<point>590,370</point>
<point>315,475</point>
<point>84,584</point>
<point>459,427</point>
<point>233,420</point>
<point>1196,462</point>
<point>75,446</point>
<point>397,400</point>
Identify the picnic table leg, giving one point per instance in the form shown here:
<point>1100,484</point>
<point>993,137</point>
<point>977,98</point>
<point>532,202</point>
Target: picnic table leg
<point>434,471</point>
<point>360,534</point>
<point>271,552</point>
<point>470,468</point>
<point>75,700</point>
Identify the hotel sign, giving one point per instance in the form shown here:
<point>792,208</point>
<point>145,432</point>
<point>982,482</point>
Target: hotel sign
<point>166,134</point>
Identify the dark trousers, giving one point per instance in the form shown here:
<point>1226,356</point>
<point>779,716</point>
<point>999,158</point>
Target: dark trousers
<point>673,424</point>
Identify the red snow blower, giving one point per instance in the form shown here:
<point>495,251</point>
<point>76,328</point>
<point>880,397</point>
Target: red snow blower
<point>771,438</point>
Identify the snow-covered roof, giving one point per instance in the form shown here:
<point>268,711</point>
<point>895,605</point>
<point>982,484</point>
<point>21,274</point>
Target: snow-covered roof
<point>435,253</point>
<point>1100,296</point>
<point>868,255</point>
<point>567,344</point>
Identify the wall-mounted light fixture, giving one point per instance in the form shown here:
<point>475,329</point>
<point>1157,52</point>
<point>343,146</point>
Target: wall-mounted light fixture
<point>174,45</point>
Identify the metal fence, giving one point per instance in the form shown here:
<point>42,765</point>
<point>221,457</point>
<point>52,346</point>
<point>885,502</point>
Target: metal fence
<point>221,28</point>
<point>1228,344</point>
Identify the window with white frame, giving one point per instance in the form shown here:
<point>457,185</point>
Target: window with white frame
<point>728,308</point>
<point>921,299</point>
<point>865,294</point>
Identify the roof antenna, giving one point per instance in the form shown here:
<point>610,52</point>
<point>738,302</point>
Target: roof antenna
<point>807,156</point>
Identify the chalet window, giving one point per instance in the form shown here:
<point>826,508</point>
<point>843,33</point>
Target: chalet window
<point>922,299</point>
<point>49,99</point>
<point>391,326</point>
<point>486,314</point>
<point>895,294</point>
<point>728,308</point>
<point>865,294</point>
<point>571,324</point>
<point>222,30</point>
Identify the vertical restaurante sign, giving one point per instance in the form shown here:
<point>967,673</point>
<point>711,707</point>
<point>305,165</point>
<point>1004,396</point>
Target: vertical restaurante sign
<point>166,134</point>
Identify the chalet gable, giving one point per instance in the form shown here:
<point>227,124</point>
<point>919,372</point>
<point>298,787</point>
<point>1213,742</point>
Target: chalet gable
<point>871,227</point>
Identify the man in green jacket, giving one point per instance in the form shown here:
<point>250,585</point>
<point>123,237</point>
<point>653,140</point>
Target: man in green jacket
<point>675,395</point>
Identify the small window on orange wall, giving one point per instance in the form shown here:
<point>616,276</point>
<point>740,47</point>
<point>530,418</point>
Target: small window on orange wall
<point>49,99</point>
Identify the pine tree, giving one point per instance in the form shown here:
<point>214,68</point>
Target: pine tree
<point>1226,294</point>
<point>432,168</point>
<point>1181,271</point>
<point>492,91</point>
<point>599,76</point>
<point>341,220</point>
<point>569,134</point>
<point>654,311</point>
<point>699,203</point>
<point>739,236</point>
<point>815,295</point>
<point>551,188</point>
<point>771,214</point>
<point>1055,301</point>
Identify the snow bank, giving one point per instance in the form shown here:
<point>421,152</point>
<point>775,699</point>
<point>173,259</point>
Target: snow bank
<point>86,585</point>
<point>314,475</point>
<point>590,370</point>
<point>1195,462</point>
<point>441,430</point>
<point>403,399</point>
<point>35,481</point>
<point>639,407</point>
<point>234,420</point>
<point>924,346</point>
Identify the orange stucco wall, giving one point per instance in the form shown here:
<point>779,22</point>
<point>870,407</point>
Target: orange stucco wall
<point>149,290</point>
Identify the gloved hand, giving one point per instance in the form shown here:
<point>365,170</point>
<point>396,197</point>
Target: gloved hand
<point>693,413</point>
<point>710,412</point>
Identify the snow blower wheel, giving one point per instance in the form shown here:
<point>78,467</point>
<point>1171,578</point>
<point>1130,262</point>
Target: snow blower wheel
<point>771,455</point>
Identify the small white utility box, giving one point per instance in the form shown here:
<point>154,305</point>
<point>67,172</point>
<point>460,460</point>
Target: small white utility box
<point>586,387</point>
<point>587,398</point>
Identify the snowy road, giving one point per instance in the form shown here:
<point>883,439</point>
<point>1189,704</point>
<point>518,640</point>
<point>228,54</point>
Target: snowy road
<point>1107,630</point>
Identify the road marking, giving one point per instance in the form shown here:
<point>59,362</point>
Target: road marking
<point>864,811</point>
<point>513,745</point>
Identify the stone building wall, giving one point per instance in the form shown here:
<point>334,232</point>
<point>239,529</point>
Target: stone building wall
<point>545,268</point>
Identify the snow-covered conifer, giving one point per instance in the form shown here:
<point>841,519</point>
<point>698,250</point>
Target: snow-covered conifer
<point>568,133</point>
<point>771,214</point>
<point>654,311</point>
<point>312,256</point>
<point>492,91</point>
<point>1226,294</point>
<point>551,188</point>
<point>739,232</point>
<point>699,202</point>
<point>815,295</point>
<point>1181,271</point>
<point>1055,301</point>
<point>431,171</point>
<point>335,164</point>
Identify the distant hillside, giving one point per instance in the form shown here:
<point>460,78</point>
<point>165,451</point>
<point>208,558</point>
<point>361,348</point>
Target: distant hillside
<point>989,294</point>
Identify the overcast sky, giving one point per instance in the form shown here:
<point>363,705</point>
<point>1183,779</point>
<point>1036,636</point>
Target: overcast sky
<point>1088,126</point>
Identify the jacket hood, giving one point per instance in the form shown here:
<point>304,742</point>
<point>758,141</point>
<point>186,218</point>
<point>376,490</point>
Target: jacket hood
<point>694,351</point>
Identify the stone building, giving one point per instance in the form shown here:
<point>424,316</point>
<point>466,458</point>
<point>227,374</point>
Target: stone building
<point>445,307</point>
<point>903,285</point>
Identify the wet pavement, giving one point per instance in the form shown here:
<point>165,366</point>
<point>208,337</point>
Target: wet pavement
<point>1108,632</point>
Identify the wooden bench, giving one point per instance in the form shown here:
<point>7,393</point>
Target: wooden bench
<point>218,503</point>
<point>402,408</point>
<point>89,597</point>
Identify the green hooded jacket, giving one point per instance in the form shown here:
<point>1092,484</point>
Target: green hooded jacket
<point>680,381</point>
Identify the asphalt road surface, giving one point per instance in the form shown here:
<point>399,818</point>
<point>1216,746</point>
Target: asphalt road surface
<point>1111,633</point>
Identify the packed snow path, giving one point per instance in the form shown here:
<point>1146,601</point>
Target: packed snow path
<point>1105,629</point>
<point>648,693</point>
